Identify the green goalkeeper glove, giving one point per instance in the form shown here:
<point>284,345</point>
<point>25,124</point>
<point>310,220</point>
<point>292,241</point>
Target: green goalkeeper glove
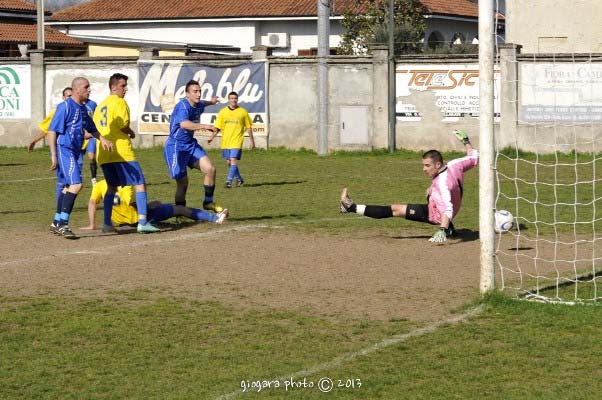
<point>439,236</point>
<point>462,136</point>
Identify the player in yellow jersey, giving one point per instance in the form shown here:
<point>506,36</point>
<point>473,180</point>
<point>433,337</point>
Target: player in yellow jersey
<point>126,213</point>
<point>233,121</point>
<point>120,168</point>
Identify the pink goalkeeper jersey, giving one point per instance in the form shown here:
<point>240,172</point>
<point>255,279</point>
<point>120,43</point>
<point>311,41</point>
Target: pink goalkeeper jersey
<point>445,194</point>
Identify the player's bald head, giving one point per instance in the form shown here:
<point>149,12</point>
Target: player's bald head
<point>79,82</point>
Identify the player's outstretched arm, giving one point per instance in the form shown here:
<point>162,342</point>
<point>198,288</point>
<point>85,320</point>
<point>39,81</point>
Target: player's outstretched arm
<point>463,137</point>
<point>91,216</point>
<point>35,140</point>
<point>251,139</point>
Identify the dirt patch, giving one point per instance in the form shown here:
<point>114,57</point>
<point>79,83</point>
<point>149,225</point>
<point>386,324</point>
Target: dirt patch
<point>375,277</point>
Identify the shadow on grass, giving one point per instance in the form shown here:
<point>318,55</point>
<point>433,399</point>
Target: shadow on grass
<point>267,217</point>
<point>12,164</point>
<point>158,183</point>
<point>273,183</point>
<point>462,235</point>
<point>18,212</point>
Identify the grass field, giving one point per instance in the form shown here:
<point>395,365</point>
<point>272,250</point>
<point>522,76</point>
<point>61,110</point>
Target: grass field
<point>146,342</point>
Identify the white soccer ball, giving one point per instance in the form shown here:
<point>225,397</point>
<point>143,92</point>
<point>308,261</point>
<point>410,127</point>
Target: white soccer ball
<point>503,221</point>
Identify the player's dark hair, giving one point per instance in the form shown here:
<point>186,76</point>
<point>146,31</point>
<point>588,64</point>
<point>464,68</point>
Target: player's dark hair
<point>190,83</point>
<point>433,155</point>
<point>115,78</point>
<point>65,90</point>
<point>233,93</point>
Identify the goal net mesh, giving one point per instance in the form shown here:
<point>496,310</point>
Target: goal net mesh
<point>548,165</point>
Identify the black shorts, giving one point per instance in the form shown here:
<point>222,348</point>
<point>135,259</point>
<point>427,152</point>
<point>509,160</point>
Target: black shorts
<point>418,212</point>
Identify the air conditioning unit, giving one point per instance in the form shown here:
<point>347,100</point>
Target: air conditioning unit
<point>276,40</point>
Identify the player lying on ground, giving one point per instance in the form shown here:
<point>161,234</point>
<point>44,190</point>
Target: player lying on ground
<point>444,196</point>
<point>126,213</point>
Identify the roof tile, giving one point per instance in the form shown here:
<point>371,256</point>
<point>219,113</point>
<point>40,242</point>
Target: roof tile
<point>22,33</point>
<point>103,10</point>
<point>17,5</point>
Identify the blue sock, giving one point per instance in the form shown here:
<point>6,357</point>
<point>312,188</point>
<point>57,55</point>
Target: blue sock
<point>231,173</point>
<point>108,208</point>
<point>237,173</point>
<point>141,200</point>
<point>59,206</point>
<point>202,215</point>
<point>67,207</point>
<point>209,189</point>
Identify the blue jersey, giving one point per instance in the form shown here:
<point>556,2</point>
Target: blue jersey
<point>69,122</point>
<point>183,111</point>
<point>91,106</point>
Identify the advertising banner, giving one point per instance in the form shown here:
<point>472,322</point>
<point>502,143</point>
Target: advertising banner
<point>455,89</point>
<point>15,92</point>
<point>162,85</point>
<point>553,92</point>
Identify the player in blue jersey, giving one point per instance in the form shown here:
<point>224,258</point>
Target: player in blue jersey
<point>89,146</point>
<point>65,137</point>
<point>182,151</point>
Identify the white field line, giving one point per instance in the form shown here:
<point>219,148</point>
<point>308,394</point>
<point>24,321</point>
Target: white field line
<point>158,239</point>
<point>29,180</point>
<point>345,358</point>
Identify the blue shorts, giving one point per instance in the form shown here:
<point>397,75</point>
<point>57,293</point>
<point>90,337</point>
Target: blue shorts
<point>69,165</point>
<point>179,157</point>
<point>231,153</point>
<point>123,173</point>
<point>161,213</point>
<point>91,148</point>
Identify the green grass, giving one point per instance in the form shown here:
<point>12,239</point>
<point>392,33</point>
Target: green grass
<point>140,345</point>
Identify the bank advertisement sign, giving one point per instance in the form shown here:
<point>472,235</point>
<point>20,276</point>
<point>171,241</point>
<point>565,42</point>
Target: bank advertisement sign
<point>452,90</point>
<point>15,91</point>
<point>555,92</point>
<point>163,84</point>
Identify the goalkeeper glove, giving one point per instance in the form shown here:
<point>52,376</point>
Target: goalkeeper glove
<point>462,136</point>
<point>439,236</point>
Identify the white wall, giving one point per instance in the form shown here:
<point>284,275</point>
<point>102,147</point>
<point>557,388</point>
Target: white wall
<point>242,34</point>
<point>555,26</point>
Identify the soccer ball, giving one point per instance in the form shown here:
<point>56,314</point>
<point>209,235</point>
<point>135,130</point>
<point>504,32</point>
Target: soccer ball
<point>503,221</point>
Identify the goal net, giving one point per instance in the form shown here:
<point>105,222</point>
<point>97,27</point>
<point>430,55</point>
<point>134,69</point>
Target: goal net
<point>548,169</point>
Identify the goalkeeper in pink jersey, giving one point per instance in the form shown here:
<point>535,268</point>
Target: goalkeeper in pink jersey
<point>444,196</point>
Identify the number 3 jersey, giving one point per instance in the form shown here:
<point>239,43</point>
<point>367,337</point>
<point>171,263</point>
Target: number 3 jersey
<point>110,117</point>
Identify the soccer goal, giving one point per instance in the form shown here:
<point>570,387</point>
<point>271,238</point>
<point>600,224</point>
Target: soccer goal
<point>548,174</point>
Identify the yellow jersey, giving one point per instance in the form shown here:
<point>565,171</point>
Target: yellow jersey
<point>110,117</point>
<point>45,124</point>
<point>123,210</point>
<point>233,124</point>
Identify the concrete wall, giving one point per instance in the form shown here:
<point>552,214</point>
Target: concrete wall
<point>558,26</point>
<point>547,136</point>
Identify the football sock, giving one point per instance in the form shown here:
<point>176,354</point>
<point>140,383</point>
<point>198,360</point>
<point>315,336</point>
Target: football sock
<point>93,168</point>
<point>108,208</point>
<point>231,173</point>
<point>67,207</point>
<point>202,215</point>
<point>375,211</point>
<point>237,173</point>
<point>209,189</point>
<point>59,206</point>
<point>141,200</point>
